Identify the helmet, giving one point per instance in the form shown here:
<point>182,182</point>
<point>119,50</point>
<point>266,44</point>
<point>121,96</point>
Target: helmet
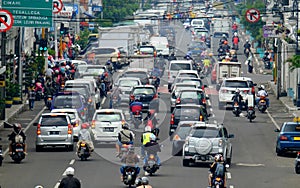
<point>84,125</point>
<point>147,129</point>
<point>247,40</point>
<point>203,35</point>
<point>17,127</point>
<point>235,34</point>
<point>227,57</point>
<point>67,67</point>
<point>237,91</point>
<point>218,157</point>
<point>62,69</point>
<point>145,181</point>
<point>262,87</point>
<point>210,54</point>
<point>38,186</point>
<point>70,171</point>
<point>223,35</point>
<point>125,126</point>
<point>56,71</point>
<point>225,42</point>
<point>138,181</point>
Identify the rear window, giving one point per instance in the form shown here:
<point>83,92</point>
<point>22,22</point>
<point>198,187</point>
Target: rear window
<point>81,90</point>
<point>183,131</point>
<point>292,127</point>
<point>54,121</point>
<point>147,50</point>
<point>68,101</point>
<point>128,83</point>
<point>94,70</point>
<point>112,117</point>
<point>190,75</point>
<point>187,112</point>
<point>104,51</point>
<point>236,84</point>
<point>141,75</point>
<point>197,82</point>
<point>205,132</point>
<point>180,66</point>
<point>146,91</point>
<point>191,95</point>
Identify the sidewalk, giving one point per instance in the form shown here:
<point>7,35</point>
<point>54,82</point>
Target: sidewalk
<point>13,111</point>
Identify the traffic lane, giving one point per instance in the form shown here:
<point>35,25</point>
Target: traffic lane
<point>183,38</point>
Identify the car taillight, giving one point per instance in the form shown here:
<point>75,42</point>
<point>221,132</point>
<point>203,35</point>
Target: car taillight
<point>123,122</point>
<point>178,100</point>
<point>202,87</point>
<point>282,137</point>
<point>203,101</point>
<point>38,130</point>
<point>69,129</point>
<point>76,123</point>
<point>172,119</point>
<point>119,55</point>
<point>154,54</point>
<point>201,118</point>
<point>155,96</point>
<point>252,89</point>
<point>250,108</point>
<point>93,124</point>
<point>246,91</point>
<point>132,97</point>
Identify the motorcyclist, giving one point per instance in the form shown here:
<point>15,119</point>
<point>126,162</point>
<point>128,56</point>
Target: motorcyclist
<point>212,170</point>
<point>48,91</point>
<point>188,56</point>
<point>125,136</point>
<point>151,117</point>
<point>115,93</point>
<point>235,40</point>
<point>262,92</point>
<point>223,39</point>
<point>70,181</point>
<point>17,136</point>
<point>237,97</point>
<point>247,46</point>
<point>234,27</point>
<point>84,135</point>
<point>145,138</point>
<point>225,46</point>
<point>135,106</point>
<point>155,81</point>
<point>130,159</point>
<point>206,63</point>
<point>152,147</point>
<point>144,183</point>
<point>172,57</point>
<point>109,66</point>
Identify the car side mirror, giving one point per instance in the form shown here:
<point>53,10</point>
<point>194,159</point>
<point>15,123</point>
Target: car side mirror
<point>35,124</point>
<point>231,136</point>
<point>255,84</point>
<point>218,87</point>
<point>277,130</point>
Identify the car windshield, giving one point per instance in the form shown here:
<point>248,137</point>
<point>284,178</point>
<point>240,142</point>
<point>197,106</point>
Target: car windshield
<point>181,87</point>
<point>146,91</point>
<point>292,127</point>
<point>191,75</point>
<point>82,91</point>
<point>183,131</point>
<point>95,71</point>
<point>180,66</point>
<point>141,75</point>
<point>67,101</point>
<point>54,120</point>
<point>72,115</point>
<point>187,113</point>
<point>112,117</point>
<point>197,82</point>
<point>146,50</point>
<point>191,95</point>
<point>128,83</point>
<point>236,84</point>
<point>205,132</point>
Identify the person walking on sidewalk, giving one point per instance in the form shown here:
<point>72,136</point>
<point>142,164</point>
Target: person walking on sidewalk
<point>249,62</point>
<point>31,96</point>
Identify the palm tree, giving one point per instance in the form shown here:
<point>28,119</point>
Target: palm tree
<point>294,62</point>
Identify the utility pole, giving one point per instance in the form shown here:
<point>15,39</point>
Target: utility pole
<point>3,62</point>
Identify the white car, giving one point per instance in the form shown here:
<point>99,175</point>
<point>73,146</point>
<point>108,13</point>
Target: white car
<point>228,88</point>
<point>126,84</point>
<point>74,117</point>
<point>106,124</point>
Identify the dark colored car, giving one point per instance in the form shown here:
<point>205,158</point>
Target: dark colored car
<point>140,73</point>
<point>147,95</point>
<point>186,112</point>
<point>73,100</point>
<point>288,138</point>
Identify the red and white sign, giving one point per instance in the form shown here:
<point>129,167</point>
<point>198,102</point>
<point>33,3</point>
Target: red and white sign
<point>252,15</point>
<point>6,20</point>
<point>57,6</point>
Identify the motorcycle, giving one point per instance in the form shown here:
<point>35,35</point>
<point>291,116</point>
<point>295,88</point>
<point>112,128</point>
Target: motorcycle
<point>83,151</point>
<point>137,118</point>
<point>218,182</point>
<point>1,154</point>
<point>115,102</point>
<point>130,176</point>
<point>297,163</point>
<point>18,152</point>
<point>199,68</point>
<point>247,52</point>
<point>236,109</point>
<point>267,62</point>
<point>151,167</point>
<point>251,113</point>
<point>49,101</point>
<point>235,47</point>
<point>262,104</point>
<point>124,149</point>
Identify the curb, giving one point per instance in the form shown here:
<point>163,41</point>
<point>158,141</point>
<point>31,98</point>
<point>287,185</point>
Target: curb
<point>13,115</point>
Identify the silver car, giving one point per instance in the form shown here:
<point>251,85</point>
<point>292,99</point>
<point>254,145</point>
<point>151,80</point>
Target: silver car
<point>106,124</point>
<point>177,88</point>
<point>205,141</point>
<point>54,129</point>
<point>126,84</point>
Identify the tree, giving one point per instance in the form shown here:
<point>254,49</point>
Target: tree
<point>294,62</point>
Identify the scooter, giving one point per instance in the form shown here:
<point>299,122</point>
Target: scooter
<point>137,118</point>
<point>297,163</point>
<point>124,149</point>
<point>262,104</point>
<point>218,182</point>
<point>151,167</point>
<point>83,151</point>
<point>251,114</point>
<point>18,152</point>
<point>130,176</point>
<point>236,109</point>
<point>49,101</point>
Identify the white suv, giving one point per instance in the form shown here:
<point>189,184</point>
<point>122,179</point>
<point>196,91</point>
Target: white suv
<point>228,88</point>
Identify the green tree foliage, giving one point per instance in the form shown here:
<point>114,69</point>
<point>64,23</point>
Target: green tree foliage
<point>83,38</point>
<point>294,62</point>
<point>117,10</point>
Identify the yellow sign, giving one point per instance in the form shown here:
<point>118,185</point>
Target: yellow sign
<point>296,119</point>
<point>2,83</point>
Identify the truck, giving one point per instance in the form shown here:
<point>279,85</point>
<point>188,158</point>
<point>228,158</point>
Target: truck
<point>223,70</point>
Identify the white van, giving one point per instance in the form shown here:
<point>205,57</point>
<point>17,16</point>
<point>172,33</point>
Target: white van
<point>174,68</point>
<point>197,23</point>
<point>161,45</point>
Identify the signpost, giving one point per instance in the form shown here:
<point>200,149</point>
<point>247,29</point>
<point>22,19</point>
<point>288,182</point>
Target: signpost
<point>252,15</point>
<point>30,13</point>
<point>271,32</point>
<point>6,20</point>
<point>57,6</point>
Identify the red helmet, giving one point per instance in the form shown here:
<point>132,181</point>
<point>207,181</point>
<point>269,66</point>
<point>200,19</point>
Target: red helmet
<point>85,126</point>
<point>225,42</point>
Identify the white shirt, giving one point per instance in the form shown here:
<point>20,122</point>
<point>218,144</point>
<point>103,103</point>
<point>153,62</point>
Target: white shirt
<point>262,93</point>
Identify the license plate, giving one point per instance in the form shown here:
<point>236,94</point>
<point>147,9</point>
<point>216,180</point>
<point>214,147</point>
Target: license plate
<point>137,115</point>
<point>108,129</point>
<point>236,105</point>
<point>145,104</point>
<point>19,149</point>
<point>54,132</point>
<point>296,138</point>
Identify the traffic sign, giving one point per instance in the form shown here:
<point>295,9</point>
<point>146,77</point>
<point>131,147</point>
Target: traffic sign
<point>6,20</point>
<point>30,13</point>
<point>252,15</point>
<point>57,6</point>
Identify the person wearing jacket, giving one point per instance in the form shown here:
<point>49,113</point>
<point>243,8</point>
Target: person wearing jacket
<point>84,135</point>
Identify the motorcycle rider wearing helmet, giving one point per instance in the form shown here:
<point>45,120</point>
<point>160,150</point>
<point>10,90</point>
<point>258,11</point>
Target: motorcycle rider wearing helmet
<point>188,56</point>
<point>130,159</point>
<point>115,93</point>
<point>48,91</point>
<point>212,170</point>
<point>125,136</point>
<point>262,92</point>
<point>144,183</point>
<point>152,147</point>
<point>237,97</point>
<point>84,135</point>
<point>135,106</point>
<point>172,57</point>
<point>70,181</point>
<point>247,46</point>
<point>151,116</point>
<point>235,40</point>
<point>17,136</point>
<point>145,138</point>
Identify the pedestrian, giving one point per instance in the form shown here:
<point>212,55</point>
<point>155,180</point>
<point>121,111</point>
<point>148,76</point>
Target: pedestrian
<point>70,181</point>
<point>249,62</point>
<point>31,96</point>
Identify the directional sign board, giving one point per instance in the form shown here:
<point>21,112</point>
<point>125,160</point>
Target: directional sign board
<point>6,20</point>
<point>30,13</point>
<point>252,15</point>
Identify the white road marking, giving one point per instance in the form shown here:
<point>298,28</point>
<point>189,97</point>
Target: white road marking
<point>273,120</point>
<point>57,185</point>
<point>231,186</point>
<point>249,165</point>
<point>228,175</point>
<point>72,162</point>
<point>103,100</point>
<point>242,115</point>
<point>209,103</point>
<point>166,85</point>
<point>210,86</point>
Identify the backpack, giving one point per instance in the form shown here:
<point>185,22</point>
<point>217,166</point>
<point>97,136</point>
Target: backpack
<point>19,139</point>
<point>220,170</point>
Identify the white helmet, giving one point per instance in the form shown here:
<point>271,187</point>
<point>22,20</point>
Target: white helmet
<point>223,35</point>
<point>235,34</point>
<point>237,91</point>
<point>247,40</point>
<point>67,67</point>
<point>262,87</point>
<point>147,129</point>
<point>145,181</point>
<point>70,171</point>
<point>218,157</point>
